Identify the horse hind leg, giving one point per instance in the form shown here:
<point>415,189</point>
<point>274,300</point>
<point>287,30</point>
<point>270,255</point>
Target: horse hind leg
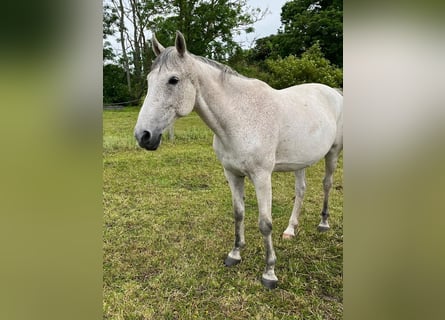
<point>236,184</point>
<point>331,160</point>
<point>300,187</point>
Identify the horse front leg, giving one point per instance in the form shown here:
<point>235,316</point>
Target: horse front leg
<point>263,188</point>
<point>236,184</point>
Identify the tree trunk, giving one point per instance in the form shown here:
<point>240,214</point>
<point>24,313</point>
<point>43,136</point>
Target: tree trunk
<point>124,50</point>
<point>137,47</point>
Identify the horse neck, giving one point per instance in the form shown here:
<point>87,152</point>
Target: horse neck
<point>216,92</point>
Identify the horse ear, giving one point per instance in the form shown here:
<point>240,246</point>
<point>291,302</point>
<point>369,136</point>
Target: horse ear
<point>157,47</point>
<point>180,44</point>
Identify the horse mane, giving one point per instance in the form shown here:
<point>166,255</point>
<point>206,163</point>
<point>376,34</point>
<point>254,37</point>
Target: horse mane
<point>168,58</point>
<point>218,65</point>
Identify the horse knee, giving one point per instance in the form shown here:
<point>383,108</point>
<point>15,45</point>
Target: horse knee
<point>265,226</point>
<point>239,214</point>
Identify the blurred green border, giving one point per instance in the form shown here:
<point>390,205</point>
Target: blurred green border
<point>51,160</point>
<point>51,166</point>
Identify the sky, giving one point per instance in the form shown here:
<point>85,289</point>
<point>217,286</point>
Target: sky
<point>270,23</point>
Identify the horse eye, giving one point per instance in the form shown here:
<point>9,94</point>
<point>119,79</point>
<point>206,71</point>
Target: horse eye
<point>173,80</point>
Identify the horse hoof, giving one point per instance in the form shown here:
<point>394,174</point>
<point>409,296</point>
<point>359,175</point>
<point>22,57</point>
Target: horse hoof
<point>228,262</point>
<point>323,228</point>
<point>288,236</point>
<point>269,284</point>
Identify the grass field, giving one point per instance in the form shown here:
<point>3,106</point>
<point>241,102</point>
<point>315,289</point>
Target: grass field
<point>168,226</point>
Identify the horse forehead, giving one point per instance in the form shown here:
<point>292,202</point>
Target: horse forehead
<point>168,59</point>
<point>152,78</point>
<point>166,70</point>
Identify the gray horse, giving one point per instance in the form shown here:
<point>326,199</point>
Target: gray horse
<point>257,130</point>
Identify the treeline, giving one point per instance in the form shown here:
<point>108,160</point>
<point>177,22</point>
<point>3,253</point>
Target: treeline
<point>308,47</point>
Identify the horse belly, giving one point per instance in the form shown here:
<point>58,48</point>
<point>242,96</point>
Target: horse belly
<point>292,161</point>
<point>304,145</point>
<point>286,167</point>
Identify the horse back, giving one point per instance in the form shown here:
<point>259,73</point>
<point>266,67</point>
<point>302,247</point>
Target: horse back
<point>317,96</point>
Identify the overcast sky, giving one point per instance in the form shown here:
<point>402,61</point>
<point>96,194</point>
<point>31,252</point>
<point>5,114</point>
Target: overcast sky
<point>271,22</point>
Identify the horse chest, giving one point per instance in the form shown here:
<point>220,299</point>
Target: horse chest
<point>243,158</point>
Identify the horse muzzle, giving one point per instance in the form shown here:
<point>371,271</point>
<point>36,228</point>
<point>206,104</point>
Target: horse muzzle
<point>148,141</point>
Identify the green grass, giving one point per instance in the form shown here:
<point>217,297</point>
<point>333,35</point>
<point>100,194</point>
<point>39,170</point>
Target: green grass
<point>168,226</point>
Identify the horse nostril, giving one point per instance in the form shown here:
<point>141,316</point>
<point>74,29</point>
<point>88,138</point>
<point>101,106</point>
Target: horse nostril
<point>145,139</point>
<point>148,141</point>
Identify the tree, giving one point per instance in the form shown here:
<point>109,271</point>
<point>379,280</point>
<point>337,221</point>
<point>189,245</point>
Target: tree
<point>208,26</point>
<point>306,22</point>
<point>115,89</point>
<point>130,19</point>
<point>108,22</point>
<point>267,47</point>
<point>121,15</point>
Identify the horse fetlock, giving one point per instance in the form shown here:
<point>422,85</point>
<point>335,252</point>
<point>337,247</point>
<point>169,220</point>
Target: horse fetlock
<point>239,240</point>
<point>270,263</point>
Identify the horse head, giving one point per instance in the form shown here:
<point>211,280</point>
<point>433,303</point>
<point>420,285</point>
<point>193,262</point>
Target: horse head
<point>171,92</point>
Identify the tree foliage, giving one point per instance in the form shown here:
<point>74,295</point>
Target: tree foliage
<point>115,89</point>
<point>306,48</point>
<point>311,67</point>
<point>304,23</point>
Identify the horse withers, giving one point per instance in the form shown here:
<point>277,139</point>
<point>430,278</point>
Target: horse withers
<point>257,130</point>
